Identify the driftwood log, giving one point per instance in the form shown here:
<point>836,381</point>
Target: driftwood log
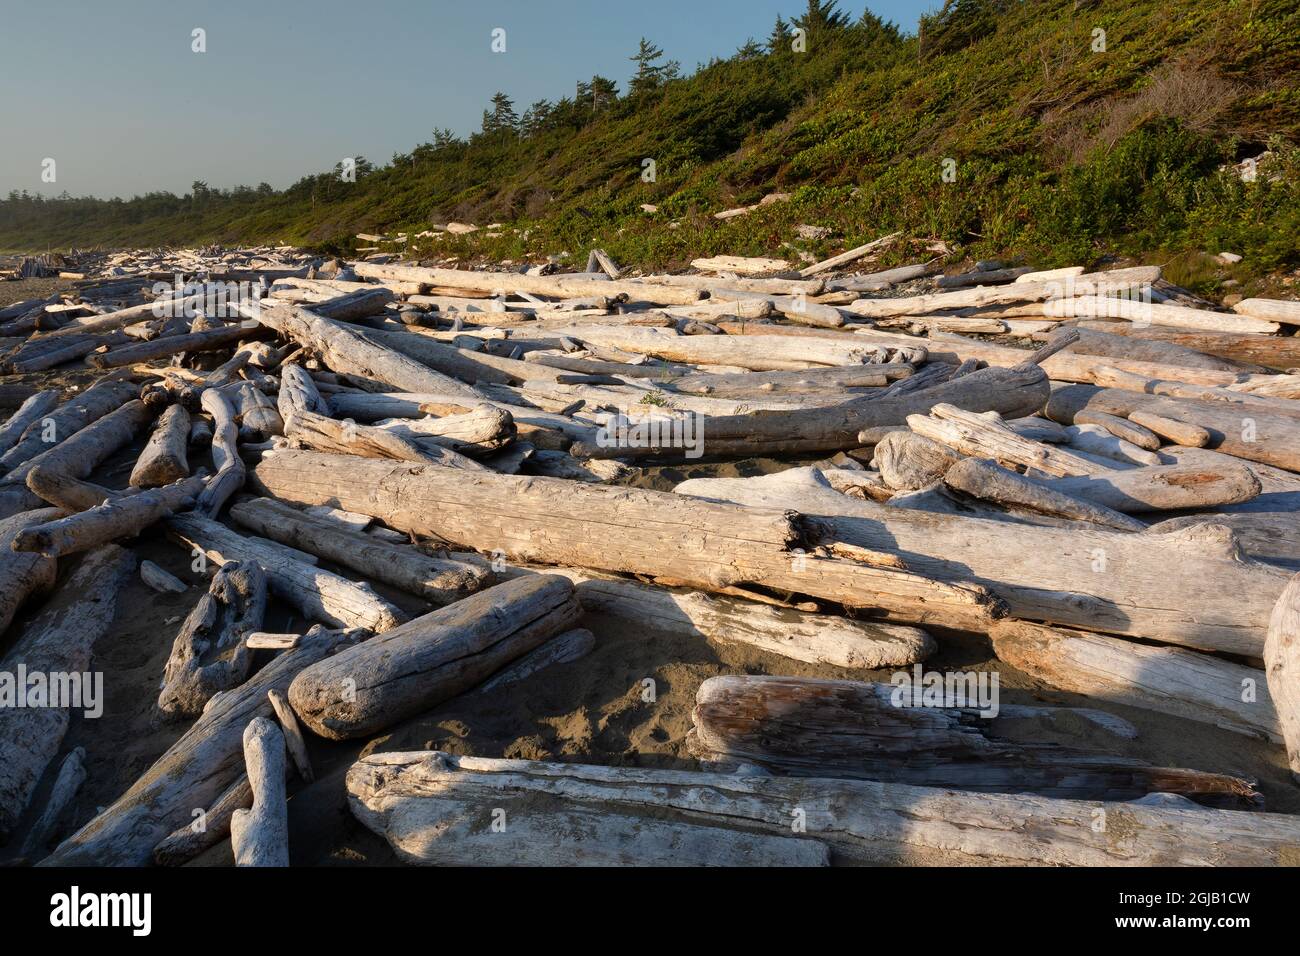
<point>164,458</point>
<point>1282,664</point>
<point>259,835</point>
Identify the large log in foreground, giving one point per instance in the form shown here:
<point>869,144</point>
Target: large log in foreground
<point>194,771</point>
<point>437,808</point>
<point>432,658</point>
<point>1097,580</point>
<point>869,731</point>
<point>552,521</point>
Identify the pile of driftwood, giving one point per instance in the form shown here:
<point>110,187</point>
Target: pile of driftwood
<point>1115,509</point>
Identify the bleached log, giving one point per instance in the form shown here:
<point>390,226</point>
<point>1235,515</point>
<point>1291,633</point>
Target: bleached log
<point>164,458</point>
<point>207,829</point>
<point>1101,447</point>
<point>194,771</point>
<point>231,473</point>
<point>66,420</point>
<point>908,461</point>
<point>1155,313</point>
<point>757,353</point>
<point>1282,665</point>
<point>481,431</point>
<point>1162,487</point>
<point>114,519</point>
<point>160,580</point>
<point>698,544</point>
<point>987,436</point>
<point>1114,378</point>
<point>317,432</point>
<point>299,393</point>
<point>431,658</point>
<point>1164,679</point>
<point>259,835</point>
<point>436,580</point>
<point>1093,579</point>
<point>57,641</point>
<point>1179,433</point>
<point>212,340</point>
<point>430,807</point>
<point>72,774</point>
<point>209,654</point>
<point>1269,351</point>
<point>876,731</point>
<point>990,481</point>
<point>23,574</point>
<point>1273,310</point>
<point>320,595</point>
<point>293,739</point>
<point>462,364</point>
<point>349,351</point>
<point>1251,434</point>
<point>1121,428</point>
<point>30,411</point>
<point>775,384</point>
<point>850,255</point>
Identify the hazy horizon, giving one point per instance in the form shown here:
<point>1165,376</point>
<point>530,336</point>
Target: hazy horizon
<point>124,106</point>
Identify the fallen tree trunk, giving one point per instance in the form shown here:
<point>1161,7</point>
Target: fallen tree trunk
<point>1282,664</point>
<point>31,411</point>
<point>117,517</point>
<point>436,580</point>
<point>57,641</point>
<point>259,836</point>
<point>319,433</point>
<point>72,774</point>
<point>548,520</point>
<point>164,458</point>
<point>992,482</point>
<point>1093,579</point>
<point>320,595</point>
<point>1164,679</point>
<point>209,654</point>
<point>231,472</point>
<point>194,771</point>
<point>481,431</point>
<point>429,806</point>
<point>72,416</point>
<point>983,435</point>
<point>298,393</point>
<point>23,575</point>
<point>432,658</point>
<point>809,727</point>
<point>1163,487</point>
<point>212,340</point>
<point>208,829</point>
<point>1269,351</point>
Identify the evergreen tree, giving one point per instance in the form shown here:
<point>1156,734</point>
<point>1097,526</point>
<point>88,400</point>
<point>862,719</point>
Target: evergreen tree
<point>779,41</point>
<point>820,17</point>
<point>649,74</point>
<point>752,50</point>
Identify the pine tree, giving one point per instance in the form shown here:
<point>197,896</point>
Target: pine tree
<point>648,74</point>
<point>821,16</point>
<point>752,50</point>
<point>501,118</point>
<point>779,41</point>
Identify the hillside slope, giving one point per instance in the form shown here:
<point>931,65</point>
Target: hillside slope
<point>1058,150</point>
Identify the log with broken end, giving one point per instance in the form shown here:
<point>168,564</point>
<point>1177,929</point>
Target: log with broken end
<point>259,836</point>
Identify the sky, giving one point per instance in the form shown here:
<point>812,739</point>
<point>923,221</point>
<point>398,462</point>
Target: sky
<point>114,93</point>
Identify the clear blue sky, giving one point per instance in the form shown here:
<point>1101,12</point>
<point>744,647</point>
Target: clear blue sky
<point>112,91</point>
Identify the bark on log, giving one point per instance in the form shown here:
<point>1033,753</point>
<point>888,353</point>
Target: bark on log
<point>164,458</point>
<point>194,771</point>
<point>875,731</point>
<point>1164,679</point>
<point>1282,664</point>
<point>992,482</point>
<point>57,641</point>
<point>436,580</point>
<point>320,595</point>
<point>259,835</point>
<point>432,658</point>
<point>699,544</point>
<point>430,807</point>
<point>1097,580</point>
<point>209,654</point>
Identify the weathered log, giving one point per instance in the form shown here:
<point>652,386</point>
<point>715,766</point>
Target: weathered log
<point>1156,313</point>
<point>298,392</point>
<point>433,807</point>
<point>1093,579</point>
<point>259,835</point>
<point>992,482</point>
<point>31,410</point>
<point>118,516</point>
<point>350,351</point>
<point>1270,351</point>
<point>308,430</point>
<point>437,580</point>
<point>1282,665</point>
<point>1249,433</point>
<point>161,581</point>
<point>1162,487</point>
<point>1164,679</point>
<point>1190,436</point>
<point>775,384</point>
<point>891,732</point>
<point>698,544</point>
<point>164,458</point>
<point>194,771</point>
<point>908,461</point>
<point>212,340</point>
<point>1114,378</point>
<point>209,654</point>
<point>479,432</point>
<point>1101,447</point>
<point>987,436</point>
<point>231,473</point>
<point>207,829</point>
<point>57,641</point>
<point>562,649</point>
<point>320,595</point>
<point>73,415</point>
<point>72,774</point>
<point>1273,310</point>
<point>462,364</point>
<point>1122,428</point>
<point>431,658</point>
<point>23,574</point>
<point>293,739</point>
<point>258,418</point>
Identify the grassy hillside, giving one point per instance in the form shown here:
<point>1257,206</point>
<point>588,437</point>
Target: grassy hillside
<point>1062,153</point>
